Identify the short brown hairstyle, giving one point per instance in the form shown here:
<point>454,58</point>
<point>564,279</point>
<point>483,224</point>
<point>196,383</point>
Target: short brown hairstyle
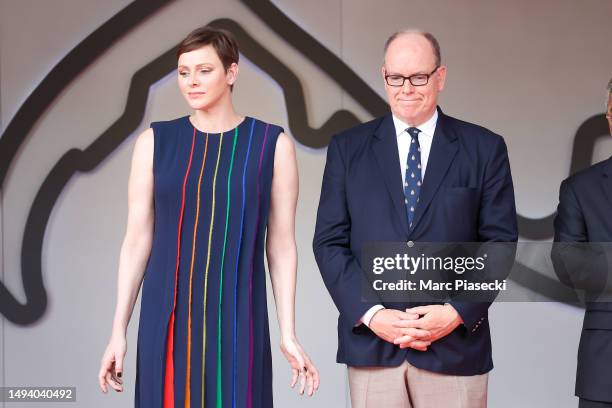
<point>221,40</point>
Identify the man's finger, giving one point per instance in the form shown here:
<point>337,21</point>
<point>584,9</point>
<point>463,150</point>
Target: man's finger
<point>406,315</point>
<point>417,333</point>
<point>420,310</point>
<point>416,347</point>
<point>421,343</point>
<point>418,324</point>
<point>416,344</point>
<point>403,339</point>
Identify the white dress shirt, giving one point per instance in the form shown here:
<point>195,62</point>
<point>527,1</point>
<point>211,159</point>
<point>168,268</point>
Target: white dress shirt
<point>426,133</point>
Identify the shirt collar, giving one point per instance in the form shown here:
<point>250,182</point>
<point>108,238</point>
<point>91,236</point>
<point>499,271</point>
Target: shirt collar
<point>428,127</point>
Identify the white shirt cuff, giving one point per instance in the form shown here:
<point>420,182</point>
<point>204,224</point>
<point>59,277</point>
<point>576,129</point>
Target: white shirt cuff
<point>365,319</point>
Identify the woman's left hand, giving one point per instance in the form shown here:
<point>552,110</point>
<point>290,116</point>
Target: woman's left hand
<point>301,366</point>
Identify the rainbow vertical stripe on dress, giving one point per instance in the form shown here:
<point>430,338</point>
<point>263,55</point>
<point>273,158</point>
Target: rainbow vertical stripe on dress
<point>203,338</point>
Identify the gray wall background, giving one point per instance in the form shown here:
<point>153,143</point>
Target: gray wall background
<point>532,71</point>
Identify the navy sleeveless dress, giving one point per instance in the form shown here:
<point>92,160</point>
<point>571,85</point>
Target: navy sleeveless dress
<point>203,338</point>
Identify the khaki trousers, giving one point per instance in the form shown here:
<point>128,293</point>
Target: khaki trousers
<point>407,386</point>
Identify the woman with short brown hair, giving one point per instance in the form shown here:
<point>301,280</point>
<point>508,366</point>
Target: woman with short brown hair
<point>203,190</point>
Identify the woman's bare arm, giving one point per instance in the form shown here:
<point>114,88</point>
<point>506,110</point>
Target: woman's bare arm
<point>133,258</point>
<point>282,260</point>
<point>280,243</point>
<point>136,245</point>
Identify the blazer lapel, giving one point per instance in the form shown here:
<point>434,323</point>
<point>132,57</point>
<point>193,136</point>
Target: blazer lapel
<point>385,149</point>
<point>443,150</point>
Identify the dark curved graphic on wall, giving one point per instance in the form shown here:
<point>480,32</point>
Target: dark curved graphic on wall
<point>76,160</point>
<point>17,131</point>
<point>322,57</point>
<point>592,129</point>
<point>530,228</point>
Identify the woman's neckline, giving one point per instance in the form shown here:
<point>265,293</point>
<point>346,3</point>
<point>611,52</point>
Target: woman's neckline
<point>242,122</point>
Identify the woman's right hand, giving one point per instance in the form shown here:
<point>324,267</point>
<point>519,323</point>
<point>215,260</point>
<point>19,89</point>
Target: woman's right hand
<point>111,367</point>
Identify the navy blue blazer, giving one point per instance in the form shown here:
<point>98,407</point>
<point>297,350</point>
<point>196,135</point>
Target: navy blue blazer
<point>467,196</point>
<point>584,214</point>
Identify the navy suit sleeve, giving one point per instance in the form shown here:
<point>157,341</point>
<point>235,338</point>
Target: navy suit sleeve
<point>331,244</point>
<point>569,222</point>
<point>569,228</point>
<point>497,222</point>
<point>577,264</point>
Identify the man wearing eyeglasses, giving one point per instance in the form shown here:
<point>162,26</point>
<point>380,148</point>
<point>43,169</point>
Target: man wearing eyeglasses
<point>414,174</point>
<point>584,214</point>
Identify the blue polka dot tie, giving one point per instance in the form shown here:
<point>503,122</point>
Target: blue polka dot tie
<point>412,181</point>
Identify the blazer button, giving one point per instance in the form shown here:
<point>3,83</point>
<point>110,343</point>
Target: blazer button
<point>410,244</point>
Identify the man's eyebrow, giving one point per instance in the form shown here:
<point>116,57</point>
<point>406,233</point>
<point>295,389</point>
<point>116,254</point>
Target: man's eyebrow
<point>416,73</point>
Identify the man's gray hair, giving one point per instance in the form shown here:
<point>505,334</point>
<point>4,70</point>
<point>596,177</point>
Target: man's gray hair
<point>610,87</point>
<point>428,36</point>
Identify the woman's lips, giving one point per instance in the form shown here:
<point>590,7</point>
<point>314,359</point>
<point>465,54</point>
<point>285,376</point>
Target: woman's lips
<point>195,95</point>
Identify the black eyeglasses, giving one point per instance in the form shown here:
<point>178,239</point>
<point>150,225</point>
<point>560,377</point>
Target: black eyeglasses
<point>415,80</point>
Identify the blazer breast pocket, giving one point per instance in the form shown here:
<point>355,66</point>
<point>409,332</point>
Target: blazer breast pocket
<point>461,194</point>
<point>460,204</point>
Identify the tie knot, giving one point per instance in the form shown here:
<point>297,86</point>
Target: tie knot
<point>414,132</point>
